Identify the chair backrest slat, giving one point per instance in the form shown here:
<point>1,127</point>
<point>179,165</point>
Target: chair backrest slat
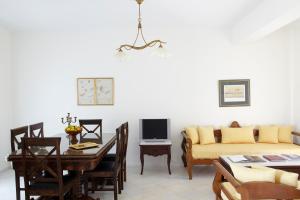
<point>42,156</point>
<point>91,130</point>
<point>125,139</point>
<point>38,127</point>
<point>119,146</point>
<point>14,134</point>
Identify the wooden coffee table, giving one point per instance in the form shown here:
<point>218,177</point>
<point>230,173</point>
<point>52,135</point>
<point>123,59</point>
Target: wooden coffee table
<point>288,165</point>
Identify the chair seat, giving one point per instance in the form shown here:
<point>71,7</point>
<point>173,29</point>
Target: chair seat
<point>104,169</point>
<point>67,182</point>
<point>110,157</point>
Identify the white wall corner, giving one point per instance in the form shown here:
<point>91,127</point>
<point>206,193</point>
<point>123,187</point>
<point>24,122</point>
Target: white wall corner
<point>5,101</point>
<point>266,18</point>
<point>291,67</point>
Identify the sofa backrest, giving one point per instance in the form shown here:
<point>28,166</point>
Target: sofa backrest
<point>235,124</point>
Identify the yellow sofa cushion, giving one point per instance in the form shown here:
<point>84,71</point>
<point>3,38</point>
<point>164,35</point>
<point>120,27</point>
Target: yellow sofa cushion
<point>246,174</point>
<point>206,135</point>
<point>214,151</point>
<point>237,135</point>
<point>268,134</point>
<point>192,133</point>
<point>231,190</point>
<point>282,177</point>
<point>285,134</point>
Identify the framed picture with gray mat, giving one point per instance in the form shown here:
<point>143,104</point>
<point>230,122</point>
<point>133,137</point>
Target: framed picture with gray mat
<point>234,93</point>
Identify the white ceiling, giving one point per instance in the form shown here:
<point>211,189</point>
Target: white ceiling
<point>86,14</point>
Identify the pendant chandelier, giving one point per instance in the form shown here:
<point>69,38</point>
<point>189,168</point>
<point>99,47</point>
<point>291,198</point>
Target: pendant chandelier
<point>160,50</point>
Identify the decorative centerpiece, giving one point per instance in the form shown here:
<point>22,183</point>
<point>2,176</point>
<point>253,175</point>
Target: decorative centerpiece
<point>71,130</point>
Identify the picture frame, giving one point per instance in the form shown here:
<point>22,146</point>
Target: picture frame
<point>95,91</point>
<point>234,93</point>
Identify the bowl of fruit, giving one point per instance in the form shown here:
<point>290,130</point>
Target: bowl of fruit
<point>73,130</point>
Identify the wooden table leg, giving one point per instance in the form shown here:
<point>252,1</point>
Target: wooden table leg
<point>169,162</point>
<point>78,191</point>
<point>17,180</point>
<point>142,160</point>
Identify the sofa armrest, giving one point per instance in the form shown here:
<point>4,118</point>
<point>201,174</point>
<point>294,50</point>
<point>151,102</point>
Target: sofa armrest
<point>296,136</point>
<point>254,189</point>
<point>295,133</point>
<point>267,190</point>
<point>187,142</point>
<point>223,172</point>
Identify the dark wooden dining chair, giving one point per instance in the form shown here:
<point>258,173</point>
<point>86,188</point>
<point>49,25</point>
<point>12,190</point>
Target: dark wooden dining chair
<point>43,174</point>
<point>16,136</point>
<point>91,130</point>
<point>111,157</point>
<point>37,130</point>
<point>107,170</point>
<point>124,164</point>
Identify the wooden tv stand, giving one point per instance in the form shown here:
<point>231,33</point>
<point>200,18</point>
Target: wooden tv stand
<point>155,149</point>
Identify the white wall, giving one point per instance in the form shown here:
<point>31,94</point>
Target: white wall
<point>295,38</point>
<point>5,96</point>
<point>183,87</point>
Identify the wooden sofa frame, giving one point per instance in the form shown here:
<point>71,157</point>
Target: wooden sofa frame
<point>186,146</point>
<point>251,190</point>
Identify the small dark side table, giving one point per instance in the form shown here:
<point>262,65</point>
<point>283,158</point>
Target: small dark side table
<point>155,149</point>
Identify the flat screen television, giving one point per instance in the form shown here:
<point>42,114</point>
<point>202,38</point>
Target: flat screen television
<point>154,129</point>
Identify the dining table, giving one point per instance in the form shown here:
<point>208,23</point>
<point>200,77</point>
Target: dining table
<point>75,161</point>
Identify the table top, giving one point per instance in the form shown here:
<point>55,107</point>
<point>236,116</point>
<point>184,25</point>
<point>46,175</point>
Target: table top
<point>267,163</point>
<point>108,139</point>
<point>155,143</point>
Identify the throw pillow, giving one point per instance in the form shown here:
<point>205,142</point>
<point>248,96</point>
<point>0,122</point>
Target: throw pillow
<point>237,135</point>
<point>192,133</point>
<point>206,135</point>
<point>268,134</point>
<point>245,174</point>
<point>285,134</point>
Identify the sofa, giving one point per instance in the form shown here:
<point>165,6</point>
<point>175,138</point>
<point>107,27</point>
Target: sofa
<point>204,154</point>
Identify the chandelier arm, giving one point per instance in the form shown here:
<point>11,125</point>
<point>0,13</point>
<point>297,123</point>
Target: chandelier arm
<point>152,43</point>
<point>127,48</point>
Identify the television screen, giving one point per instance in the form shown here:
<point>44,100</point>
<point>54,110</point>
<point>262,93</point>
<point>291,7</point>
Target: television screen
<point>155,129</point>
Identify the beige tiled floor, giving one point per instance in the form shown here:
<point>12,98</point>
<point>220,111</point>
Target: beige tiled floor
<point>155,184</point>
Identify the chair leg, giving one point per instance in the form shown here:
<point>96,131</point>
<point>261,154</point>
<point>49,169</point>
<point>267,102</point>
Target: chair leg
<point>115,188</point>
<point>119,182</point>
<point>27,197</point>
<point>125,171</point>
<point>85,185</point>
<point>93,185</point>
<point>17,180</point>
<point>121,175</point>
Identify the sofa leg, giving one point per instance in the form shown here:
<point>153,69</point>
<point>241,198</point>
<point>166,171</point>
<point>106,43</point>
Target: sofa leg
<point>184,160</point>
<point>189,169</point>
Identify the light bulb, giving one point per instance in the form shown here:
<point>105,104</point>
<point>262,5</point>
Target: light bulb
<point>161,52</point>
<point>121,55</point>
